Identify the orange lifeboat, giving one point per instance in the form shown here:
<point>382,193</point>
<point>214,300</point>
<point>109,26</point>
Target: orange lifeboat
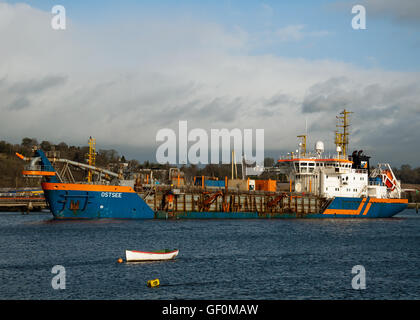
<point>389,180</point>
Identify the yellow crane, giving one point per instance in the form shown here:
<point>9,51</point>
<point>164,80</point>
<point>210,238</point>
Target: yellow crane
<point>91,157</point>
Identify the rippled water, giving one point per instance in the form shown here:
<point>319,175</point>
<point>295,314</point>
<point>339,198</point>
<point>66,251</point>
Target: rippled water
<point>218,259</point>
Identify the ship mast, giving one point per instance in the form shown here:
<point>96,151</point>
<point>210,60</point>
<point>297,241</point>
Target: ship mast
<point>303,144</point>
<point>342,138</point>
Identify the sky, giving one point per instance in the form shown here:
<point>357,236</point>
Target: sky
<point>123,70</point>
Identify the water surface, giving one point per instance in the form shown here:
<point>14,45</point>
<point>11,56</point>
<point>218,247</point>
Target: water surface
<point>218,259</point>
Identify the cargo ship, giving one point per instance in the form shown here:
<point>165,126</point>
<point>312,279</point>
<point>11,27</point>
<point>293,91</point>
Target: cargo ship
<point>320,186</point>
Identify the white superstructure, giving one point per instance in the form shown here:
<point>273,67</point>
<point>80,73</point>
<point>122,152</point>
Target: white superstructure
<point>338,176</point>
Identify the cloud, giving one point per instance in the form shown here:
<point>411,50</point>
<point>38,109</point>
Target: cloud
<point>382,99</point>
<point>121,85</point>
<point>400,11</point>
<point>18,95</point>
<point>37,85</point>
<point>385,116</point>
<point>19,103</point>
<point>297,33</point>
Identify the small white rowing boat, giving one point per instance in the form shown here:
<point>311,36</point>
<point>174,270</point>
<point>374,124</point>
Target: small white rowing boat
<point>132,255</point>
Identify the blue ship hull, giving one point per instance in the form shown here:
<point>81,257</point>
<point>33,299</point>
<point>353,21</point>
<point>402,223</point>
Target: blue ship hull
<point>343,207</point>
<point>82,204</point>
<point>369,209</point>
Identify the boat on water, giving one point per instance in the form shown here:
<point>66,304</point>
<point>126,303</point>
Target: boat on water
<point>166,254</point>
<point>321,186</point>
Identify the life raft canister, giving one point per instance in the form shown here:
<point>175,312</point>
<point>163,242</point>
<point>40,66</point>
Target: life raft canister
<point>389,180</point>
<point>170,201</point>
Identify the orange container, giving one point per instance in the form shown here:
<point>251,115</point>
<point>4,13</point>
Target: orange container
<point>266,185</point>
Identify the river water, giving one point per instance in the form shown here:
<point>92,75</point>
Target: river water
<point>218,259</point>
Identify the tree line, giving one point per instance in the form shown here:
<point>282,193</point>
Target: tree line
<point>11,167</point>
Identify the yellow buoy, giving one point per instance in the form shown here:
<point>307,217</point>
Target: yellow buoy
<point>120,260</point>
<point>153,283</point>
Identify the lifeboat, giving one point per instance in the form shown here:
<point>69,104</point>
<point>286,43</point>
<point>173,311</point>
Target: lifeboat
<point>166,254</point>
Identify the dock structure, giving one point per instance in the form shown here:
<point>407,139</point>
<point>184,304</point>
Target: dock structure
<point>413,206</point>
<point>230,203</point>
<point>22,204</point>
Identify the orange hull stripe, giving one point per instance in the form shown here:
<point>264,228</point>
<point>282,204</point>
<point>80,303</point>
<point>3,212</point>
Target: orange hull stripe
<point>38,173</point>
<point>389,200</point>
<point>367,209</point>
<point>345,211</point>
<point>361,206</point>
<point>340,211</point>
<point>85,187</point>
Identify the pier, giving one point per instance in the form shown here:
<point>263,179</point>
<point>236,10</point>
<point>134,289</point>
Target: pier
<point>22,204</point>
<point>414,206</point>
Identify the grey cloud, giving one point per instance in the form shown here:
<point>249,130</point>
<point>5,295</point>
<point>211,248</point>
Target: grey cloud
<point>278,99</point>
<point>326,96</point>
<point>19,103</point>
<point>401,11</point>
<point>218,109</point>
<point>37,85</point>
<point>275,104</point>
<point>18,95</point>
<point>385,118</point>
<point>343,93</point>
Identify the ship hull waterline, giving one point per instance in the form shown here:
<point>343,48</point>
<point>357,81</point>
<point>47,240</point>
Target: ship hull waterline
<point>68,201</point>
